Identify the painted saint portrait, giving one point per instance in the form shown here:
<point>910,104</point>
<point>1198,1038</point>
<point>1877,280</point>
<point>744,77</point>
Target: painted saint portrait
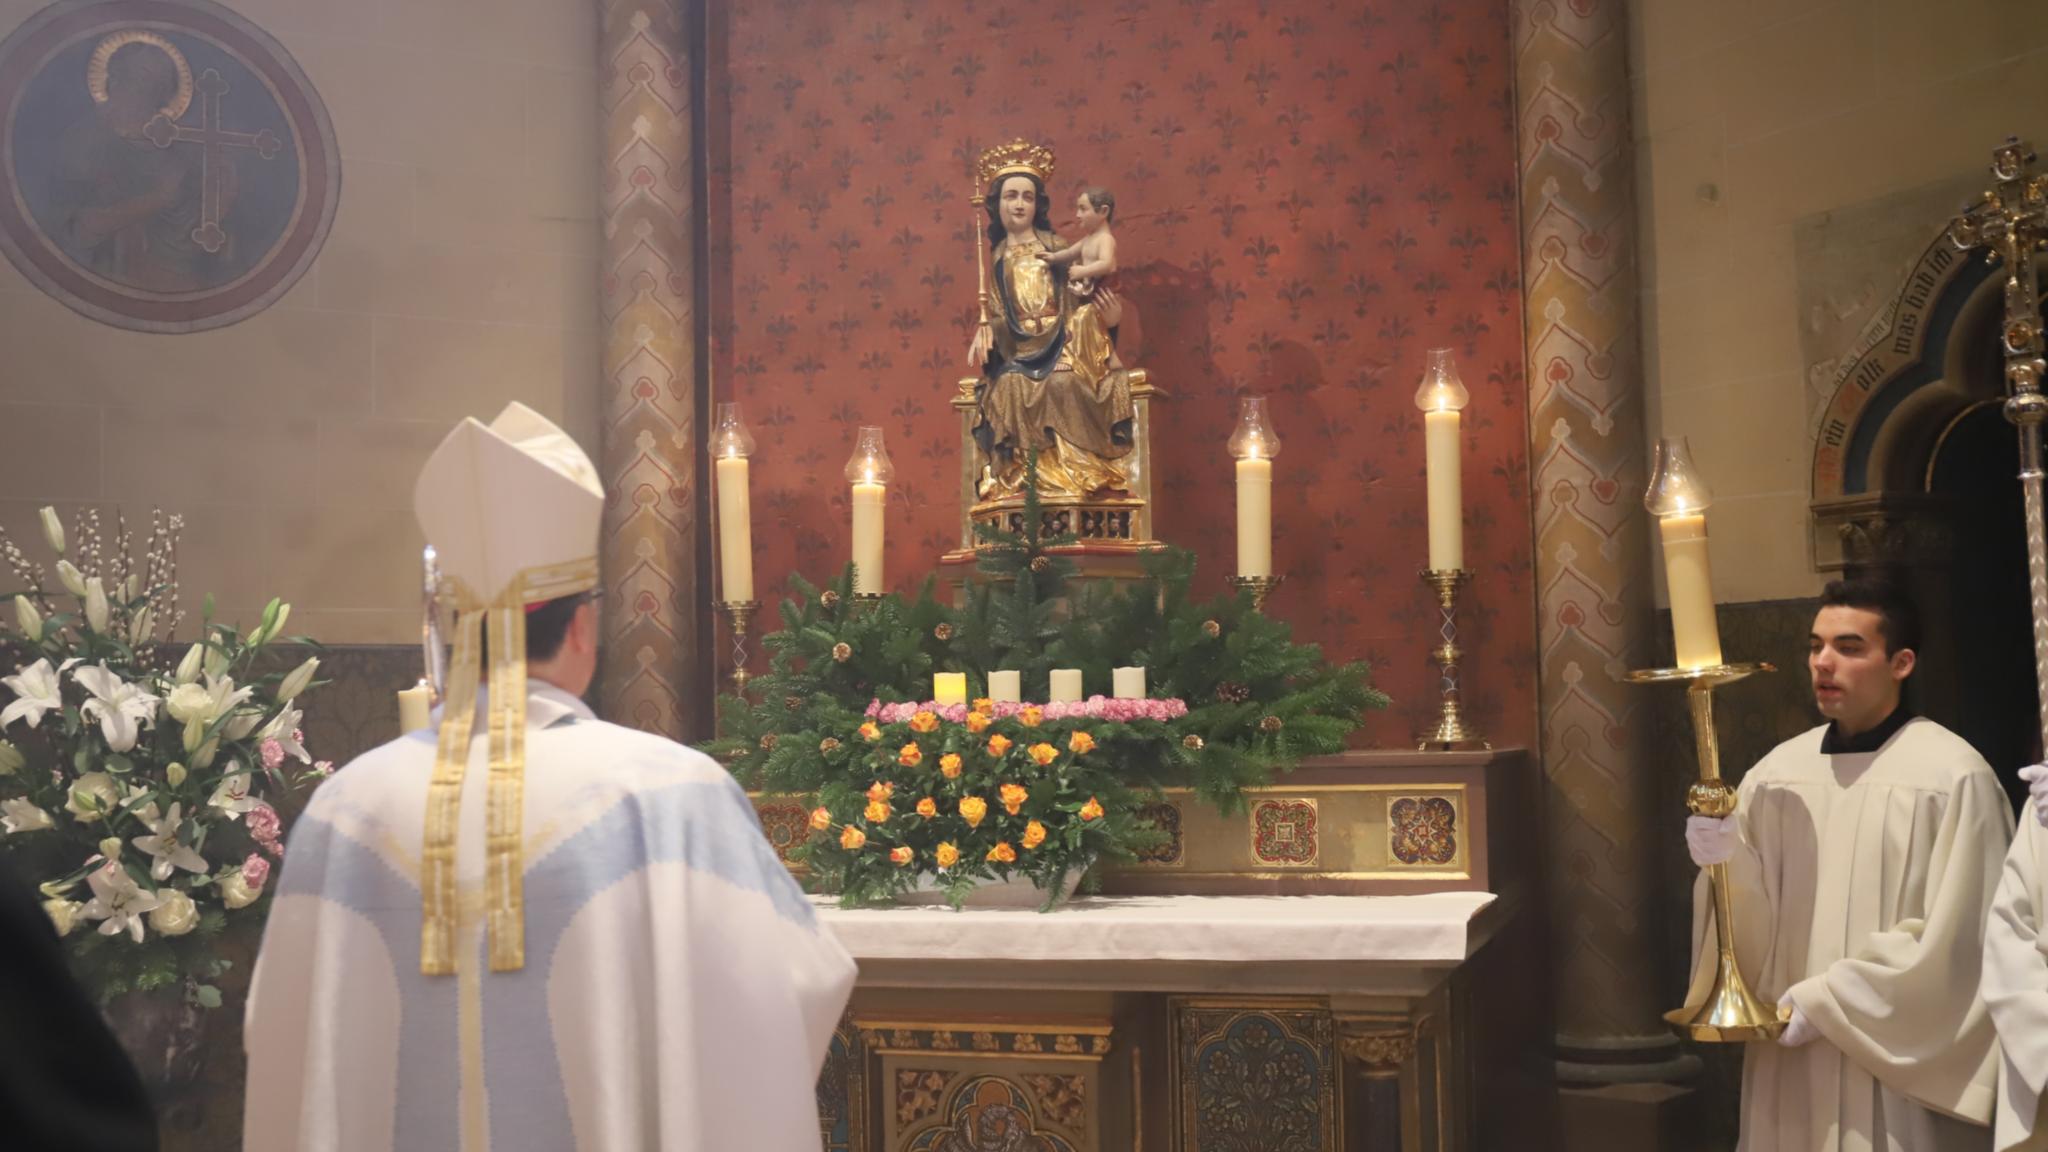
<point>172,170</point>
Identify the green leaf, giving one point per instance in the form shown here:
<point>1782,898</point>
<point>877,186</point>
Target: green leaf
<point>207,996</point>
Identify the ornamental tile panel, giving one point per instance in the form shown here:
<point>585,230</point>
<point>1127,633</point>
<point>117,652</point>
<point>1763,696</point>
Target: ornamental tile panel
<point>1285,833</point>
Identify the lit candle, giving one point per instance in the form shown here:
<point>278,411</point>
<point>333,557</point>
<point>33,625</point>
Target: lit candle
<point>870,471</point>
<point>1127,683</point>
<point>1254,443</point>
<point>1679,498</point>
<point>415,708</point>
<point>731,445</point>
<point>1441,397</point>
<point>1065,686</point>
<point>1006,687</point>
<point>949,688</point>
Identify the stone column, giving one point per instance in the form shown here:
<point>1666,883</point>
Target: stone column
<point>1595,607</point>
<point>654,618</point>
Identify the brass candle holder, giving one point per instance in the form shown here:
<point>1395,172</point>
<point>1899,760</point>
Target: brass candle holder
<point>738,614</point>
<point>1259,586</point>
<point>1451,732</point>
<point>1731,1012</point>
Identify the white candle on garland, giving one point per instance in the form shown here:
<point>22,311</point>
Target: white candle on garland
<point>1128,683</point>
<point>1065,687</point>
<point>1006,687</point>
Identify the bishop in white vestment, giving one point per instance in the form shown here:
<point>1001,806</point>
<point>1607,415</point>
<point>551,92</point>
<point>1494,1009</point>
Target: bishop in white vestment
<point>1862,857</point>
<point>562,934</point>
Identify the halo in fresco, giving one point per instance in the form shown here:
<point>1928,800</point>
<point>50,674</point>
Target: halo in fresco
<point>168,166</point>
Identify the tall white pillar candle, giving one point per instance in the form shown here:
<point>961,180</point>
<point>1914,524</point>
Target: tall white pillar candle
<point>415,708</point>
<point>1689,579</point>
<point>1446,491</point>
<point>868,502</point>
<point>735,530</point>
<point>1255,517</point>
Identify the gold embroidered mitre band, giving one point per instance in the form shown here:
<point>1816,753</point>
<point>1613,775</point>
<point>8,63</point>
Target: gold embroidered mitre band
<point>512,509</point>
<point>1018,157</point>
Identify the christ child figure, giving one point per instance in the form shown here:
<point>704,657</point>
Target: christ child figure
<point>1094,256</point>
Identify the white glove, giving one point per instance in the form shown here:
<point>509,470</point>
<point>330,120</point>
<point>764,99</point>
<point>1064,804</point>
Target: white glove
<point>1799,1031</point>
<point>1711,839</point>
<point>2036,776</point>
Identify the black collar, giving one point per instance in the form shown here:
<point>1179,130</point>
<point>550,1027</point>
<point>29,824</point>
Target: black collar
<point>1833,743</point>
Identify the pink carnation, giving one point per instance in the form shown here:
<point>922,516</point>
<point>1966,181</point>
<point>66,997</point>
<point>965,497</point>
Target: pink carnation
<point>323,768</point>
<point>273,754</point>
<point>255,870</point>
<point>264,827</point>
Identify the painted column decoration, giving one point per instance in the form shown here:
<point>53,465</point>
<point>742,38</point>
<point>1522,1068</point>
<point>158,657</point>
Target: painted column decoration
<point>655,633</point>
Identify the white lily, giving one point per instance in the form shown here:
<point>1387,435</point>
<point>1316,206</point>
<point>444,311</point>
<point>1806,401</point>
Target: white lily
<point>162,843</point>
<point>119,901</point>
<point>232,797</point>
<point>18,815</point>
<point>284,728</point>
<point>35,692</point>
<point>31,621</point>
<point>96,607</point>
<point>123,709</point>
<point>53,529</point>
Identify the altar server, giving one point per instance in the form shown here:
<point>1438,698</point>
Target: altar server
<point>1863,855</point>
<point>558,934</point>
<point>2016,977</point>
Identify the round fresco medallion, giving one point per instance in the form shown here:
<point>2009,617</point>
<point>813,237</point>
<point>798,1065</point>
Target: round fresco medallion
<point>170,168</point>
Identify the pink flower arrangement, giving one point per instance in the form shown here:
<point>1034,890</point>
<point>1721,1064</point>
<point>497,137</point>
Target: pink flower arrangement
<point>255,870</point>
<point>273,754</point>
<point>264,828</point>
<point>1094,708</point>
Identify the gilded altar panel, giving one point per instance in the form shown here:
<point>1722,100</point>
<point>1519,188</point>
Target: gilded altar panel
<point>988,1085</point>
<point>1254,1074</point>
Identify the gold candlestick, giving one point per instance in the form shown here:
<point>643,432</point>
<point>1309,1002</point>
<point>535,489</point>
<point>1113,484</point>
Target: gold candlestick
<point>1731,1012</point>
<point>1259,586</point>
<point>738,614</point>
<point>1451,732</point>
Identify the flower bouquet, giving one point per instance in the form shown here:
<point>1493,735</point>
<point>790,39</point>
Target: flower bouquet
<point>136,783</point>
<point>969,795</point>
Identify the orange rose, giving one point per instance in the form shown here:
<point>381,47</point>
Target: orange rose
<point>1081,742</point>
<point>1043,754</point>
<point>877,812</point>
<point>900,856</point>
<point>870,732</point>
<point>852,839</point>
<point>927,808</point>
<point>924,722</point>
<point>949,764</point>
<point>978,722</point>
<point>1003,854</point>
<point>1030,717</point>
<point>821,818</point>
<point>972,809</point>
<point>998,744</point>
<point>947,855</point>
<point>1013,797</point>
<point>911,756</point>
<point>1034,834</point>
<point>1092,810</point>
<point>984,704</point>
<point>881,790</point>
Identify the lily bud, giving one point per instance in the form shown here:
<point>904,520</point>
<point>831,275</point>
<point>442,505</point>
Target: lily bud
<point>73,580</point>
<point>188,668</point>
<point>131,588</point>
<point>111,847</point>
<point>11,759</point>
<point>195,735</point>
<point>96,605</point>
<point>31,621</point>
<point>217,660</point>
<point>140,627</point>
<point>175,774</point>
<point>284,613</point>
<point>53,530</point>
<point>203,759</point>
<point>299,678</point>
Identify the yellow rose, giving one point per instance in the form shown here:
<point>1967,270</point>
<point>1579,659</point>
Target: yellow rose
<point>998,744</point>
<point>947,855</point>
<point>911,755</point>
<point>924,722</point>
<point>927,808</point>
<point>1043,754</point>
<point>881,790</point>
<point>984,704</point>
<point>236,891</point>
<point>1002,853</point>
<point>972,809</point>
<point>1030,717</point>
<point>1092,810</point>
<point>1081,742</point>
<point>1034,834</point>
<point>949,764</point>
<point>870,732</point>
<point>1013,796</point>
<point>900,856</point>
<point>821,818</point>
<point>877,812</point>
<point>978,723</point>
<point>852,839</point>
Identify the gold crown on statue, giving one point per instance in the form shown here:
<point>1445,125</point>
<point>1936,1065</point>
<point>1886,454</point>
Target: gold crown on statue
<point>1019,156</point>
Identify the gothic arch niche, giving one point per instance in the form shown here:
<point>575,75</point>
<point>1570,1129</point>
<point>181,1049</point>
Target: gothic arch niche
<point>1915,476</point>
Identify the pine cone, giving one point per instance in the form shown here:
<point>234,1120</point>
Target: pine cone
<point>1041,564</point>
<point>828,745</point>
<point>842,652</point>
<point>1191,743</point>
<point>1211,629</point>
<point>1270,724</point>
<point>1232,693</point>
<point>793,703</point>
<point>768,742</point>
<point>828,600</point>
<point>943,632</point>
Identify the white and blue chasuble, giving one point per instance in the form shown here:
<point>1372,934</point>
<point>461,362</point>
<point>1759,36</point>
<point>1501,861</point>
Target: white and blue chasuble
<point>678,992</point>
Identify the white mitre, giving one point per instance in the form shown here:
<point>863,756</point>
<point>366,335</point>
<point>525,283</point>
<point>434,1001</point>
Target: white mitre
<point>515,496</point>
<point>513,510</point>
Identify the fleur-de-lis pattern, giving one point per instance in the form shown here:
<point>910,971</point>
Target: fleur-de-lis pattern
<point>1308,196</point>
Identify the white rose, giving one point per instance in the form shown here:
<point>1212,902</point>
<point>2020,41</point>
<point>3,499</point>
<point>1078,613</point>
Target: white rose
<point>190,703</point>
<point>175,914</point>
<point>235,891</point>
<point>11,759</point>
<point>92,797</point>
<point>62,913</point>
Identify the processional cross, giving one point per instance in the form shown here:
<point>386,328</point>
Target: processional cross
<point>2011,223</point>
<point>214,141</point>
